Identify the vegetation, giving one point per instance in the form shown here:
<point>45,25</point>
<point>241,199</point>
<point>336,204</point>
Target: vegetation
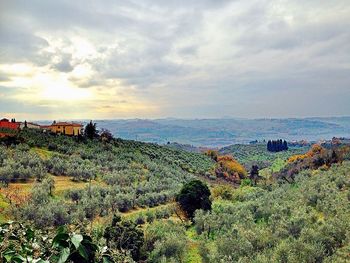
<point>90,130</point>
<point>194,195</point>
<point>315,158</point>
<point>257,154</point>
<point>120,175</point>
<point>100,199</point>
<point>306,221</point>
<point>21,243</point>
<point>227,167</point>
<point>125,236</point>
<point>277,146</point>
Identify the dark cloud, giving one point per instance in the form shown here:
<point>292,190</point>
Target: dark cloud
<point>19,44</point>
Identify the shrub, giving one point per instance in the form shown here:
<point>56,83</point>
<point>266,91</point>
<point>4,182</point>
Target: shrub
<point>194,195</point>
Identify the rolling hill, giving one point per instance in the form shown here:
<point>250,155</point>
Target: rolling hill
<point>227,131</point>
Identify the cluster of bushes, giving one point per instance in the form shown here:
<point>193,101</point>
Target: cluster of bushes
<point>227,167</point>
<point>257,154</point>
<point>315,158</point>
<point>130,175</point>
<point>18,164</point>
<point>150,215</point>
<point>306,221</point>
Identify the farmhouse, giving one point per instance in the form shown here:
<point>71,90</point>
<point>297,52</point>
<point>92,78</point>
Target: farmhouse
<point>66,128</point>
<point>6,124</point>
<point>8,128</point>
<point>29,125</point>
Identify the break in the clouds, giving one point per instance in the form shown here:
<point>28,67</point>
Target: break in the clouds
<point>144,58</point>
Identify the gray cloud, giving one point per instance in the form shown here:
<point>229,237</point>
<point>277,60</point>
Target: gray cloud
<point>64,65</point>
<point>194,56</point>
<point>19,44</point>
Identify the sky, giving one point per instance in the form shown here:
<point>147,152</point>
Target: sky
<point>110,59</point>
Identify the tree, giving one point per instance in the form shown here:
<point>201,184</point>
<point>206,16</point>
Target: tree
<point>213,154</point>
<point>194,195</point>
<point>254,174</point>
<point>49,184</point>
<point>91,130</point>
<point>269,146</point>
<point>125,236</point>
<point>277,145</point>
<point>106,136</point>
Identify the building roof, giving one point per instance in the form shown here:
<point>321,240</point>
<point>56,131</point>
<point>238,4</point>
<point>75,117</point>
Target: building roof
<point>66,124</point>
<point>32,123</point>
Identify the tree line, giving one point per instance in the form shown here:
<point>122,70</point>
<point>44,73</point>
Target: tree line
<point>277,145</point>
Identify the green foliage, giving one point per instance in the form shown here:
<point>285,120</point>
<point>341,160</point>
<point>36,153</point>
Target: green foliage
<point>246,182</point>
<point>91,131</point>
<point>303,222</point>
<point>20,243</point>
<point>194,195</point>
<point>130,175</point>
<point>165,241</point>
<point>257,154</point>
<point>125,236</point>
<point>317,157</point>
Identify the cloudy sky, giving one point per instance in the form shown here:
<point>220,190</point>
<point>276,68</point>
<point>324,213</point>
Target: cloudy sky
<point>174,58</point>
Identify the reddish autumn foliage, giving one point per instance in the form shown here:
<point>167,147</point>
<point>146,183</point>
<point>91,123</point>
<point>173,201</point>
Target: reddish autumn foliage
<point>230,169</point>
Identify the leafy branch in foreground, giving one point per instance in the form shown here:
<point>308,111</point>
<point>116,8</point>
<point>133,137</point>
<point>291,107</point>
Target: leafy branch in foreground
<point>20,243</point>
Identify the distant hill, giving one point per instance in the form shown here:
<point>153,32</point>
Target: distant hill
<point>227,131</point>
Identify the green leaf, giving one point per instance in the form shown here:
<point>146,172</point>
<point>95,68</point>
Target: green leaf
<point>76,240</point>
<point>30,234</point>
<point>83,252</point>
<point>106,259</point>
<point>61,229</point>
<point>18,258</point>
<point>39,260</point>
<point>64,255</point>
<point>8,254</point>
<point>57,241</point>
<point>8,258</point>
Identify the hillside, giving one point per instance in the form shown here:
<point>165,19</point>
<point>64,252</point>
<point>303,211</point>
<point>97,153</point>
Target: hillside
<point>307,221</point>
<point>249,154</point>
<point>124,175</point>
<point>116,201</point>
<point>227,131</point>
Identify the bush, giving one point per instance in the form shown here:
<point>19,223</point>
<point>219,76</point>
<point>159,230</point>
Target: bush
<point>194,195</point>
<point>125,235</point>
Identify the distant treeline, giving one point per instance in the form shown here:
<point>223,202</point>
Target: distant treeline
<point>277,146</point>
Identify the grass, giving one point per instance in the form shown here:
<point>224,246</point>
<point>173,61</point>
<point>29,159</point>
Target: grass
<point>3,206</point>
<point>64,183</point>
<point>43,153</point>
<point>136,212</point>
<point>193,255</point>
